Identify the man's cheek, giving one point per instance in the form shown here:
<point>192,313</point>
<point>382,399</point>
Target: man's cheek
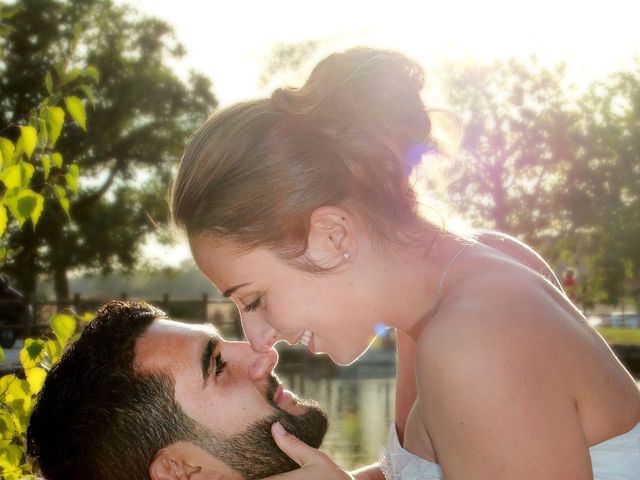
<point>248,406</point>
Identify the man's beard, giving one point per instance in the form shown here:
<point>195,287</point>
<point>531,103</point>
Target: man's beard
<point>254,453</point>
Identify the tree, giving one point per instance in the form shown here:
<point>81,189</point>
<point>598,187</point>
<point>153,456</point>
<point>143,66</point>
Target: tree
<point>32,172</point>
<point>286,58</point>
<point>137,130</point>
<point>602,195</point>
<point>516,147</point>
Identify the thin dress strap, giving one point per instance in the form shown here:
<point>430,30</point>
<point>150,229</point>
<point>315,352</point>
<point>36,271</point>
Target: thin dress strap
<point>444,274</point>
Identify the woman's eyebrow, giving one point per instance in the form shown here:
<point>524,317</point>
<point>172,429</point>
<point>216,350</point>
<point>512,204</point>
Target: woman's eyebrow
<point>207,353</point>
<point>227,293</point>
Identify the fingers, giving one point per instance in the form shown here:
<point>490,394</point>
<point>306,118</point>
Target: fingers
<point>314,464</point>
<point>296,449</point>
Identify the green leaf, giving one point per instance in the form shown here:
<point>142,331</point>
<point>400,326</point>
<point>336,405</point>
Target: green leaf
<point>55,120</point>
<point>42,132</point>
<point>71,75</point>
<point>12,204</point>
<point>48,82</point>
<point>17,389</point>
<point>46,165</point>
<point>7,148</point>
<point>7,12</point>
<point>7,427</point>
<point>36,377</point>
<point>26,172</point>
<point>61,195</point>
<point>53,350</point>
<point>88,92</point>
<point>56,159</point>
<point>1,349</point>
<point>37,211</point>
<point>29,137</point>
<point>12,176</point>
<point>93,73</point>
<point>3,227</point>
<point>86,317</point>
<point>32,353</point>
<point>63,327</point>
<point>10,459</point>
<point>26,204</point>
<point>75,107</point>
<point>72,178</point>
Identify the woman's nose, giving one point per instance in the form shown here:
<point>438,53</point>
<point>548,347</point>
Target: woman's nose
<point>262,364</point>
<point>261,336</point>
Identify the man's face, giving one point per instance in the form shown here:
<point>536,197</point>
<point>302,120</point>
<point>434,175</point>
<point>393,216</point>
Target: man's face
<point>231,391</point>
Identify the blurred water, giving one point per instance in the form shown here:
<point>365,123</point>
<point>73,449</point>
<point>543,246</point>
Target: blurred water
<point>360,401</point>
<point>360,412</point>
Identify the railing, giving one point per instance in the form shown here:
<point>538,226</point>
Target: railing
<point>33,320</point>
<point>616,320</point>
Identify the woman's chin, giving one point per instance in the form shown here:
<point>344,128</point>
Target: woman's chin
<point>345,358</point>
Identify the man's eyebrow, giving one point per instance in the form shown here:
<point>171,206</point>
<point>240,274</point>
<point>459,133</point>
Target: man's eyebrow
<point>209,348</point>
<point>227,293</point>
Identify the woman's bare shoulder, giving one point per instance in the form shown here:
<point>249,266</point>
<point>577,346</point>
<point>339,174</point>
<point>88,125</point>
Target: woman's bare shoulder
<point>501,312</point>
<point>519,251</point>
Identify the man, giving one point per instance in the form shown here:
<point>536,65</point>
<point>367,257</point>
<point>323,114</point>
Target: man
<point>139,396</point>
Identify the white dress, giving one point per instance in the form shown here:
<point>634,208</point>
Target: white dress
<point>615,459</point>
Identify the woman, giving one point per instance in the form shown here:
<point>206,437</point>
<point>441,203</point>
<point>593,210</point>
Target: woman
<point>300,207</point>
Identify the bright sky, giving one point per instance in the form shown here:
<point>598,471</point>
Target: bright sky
<point>230,40</point>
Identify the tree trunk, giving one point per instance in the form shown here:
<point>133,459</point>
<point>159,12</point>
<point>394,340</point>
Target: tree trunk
<point>24,267</point>
<point>61,285</point>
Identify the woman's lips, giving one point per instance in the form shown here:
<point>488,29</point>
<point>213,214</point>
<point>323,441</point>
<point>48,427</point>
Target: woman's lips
<point>304,339</point>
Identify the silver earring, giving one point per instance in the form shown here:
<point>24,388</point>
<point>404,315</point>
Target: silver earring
<point>346,255</point>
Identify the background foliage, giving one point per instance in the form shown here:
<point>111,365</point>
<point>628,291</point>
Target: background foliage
<point>67,68</point>
<point>35,175</point>
<point>138,127</point>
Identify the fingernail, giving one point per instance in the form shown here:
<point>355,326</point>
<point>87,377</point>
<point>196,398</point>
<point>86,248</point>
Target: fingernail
<point>279,429</point>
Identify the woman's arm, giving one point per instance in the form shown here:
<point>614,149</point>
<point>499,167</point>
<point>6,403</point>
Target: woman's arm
<point>371,472</point>
<point>405,380</point>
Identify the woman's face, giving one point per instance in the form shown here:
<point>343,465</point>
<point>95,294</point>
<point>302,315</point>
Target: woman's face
<point>278,301</point>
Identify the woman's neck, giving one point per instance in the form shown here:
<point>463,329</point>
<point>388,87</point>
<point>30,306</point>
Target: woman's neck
<point>412,278</point>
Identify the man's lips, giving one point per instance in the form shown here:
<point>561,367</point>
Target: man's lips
<point>278,394</point>
<point>282,396</point>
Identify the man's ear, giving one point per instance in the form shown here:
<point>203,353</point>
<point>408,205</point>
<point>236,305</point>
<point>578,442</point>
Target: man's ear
<point>331,239</point>
<point>173,464</point>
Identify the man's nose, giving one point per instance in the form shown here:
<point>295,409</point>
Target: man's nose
<point>262,364</point>
<point>261,336</point>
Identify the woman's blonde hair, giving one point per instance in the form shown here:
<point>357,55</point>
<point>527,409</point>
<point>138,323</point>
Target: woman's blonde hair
<point>253,173</point>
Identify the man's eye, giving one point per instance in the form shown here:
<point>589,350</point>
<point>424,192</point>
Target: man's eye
<point>253,305</point>
<point>219,364</point>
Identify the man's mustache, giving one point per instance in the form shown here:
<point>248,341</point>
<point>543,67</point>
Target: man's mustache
<point>272,386</point>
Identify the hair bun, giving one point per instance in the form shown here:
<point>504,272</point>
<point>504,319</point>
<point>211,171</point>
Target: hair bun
<point>374,91</point>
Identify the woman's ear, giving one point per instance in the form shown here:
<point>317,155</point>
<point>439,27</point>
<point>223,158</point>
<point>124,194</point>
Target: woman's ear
<point>331,239</point>
<point>171,464</point>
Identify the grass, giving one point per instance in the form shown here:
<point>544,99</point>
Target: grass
<point>620,336</point>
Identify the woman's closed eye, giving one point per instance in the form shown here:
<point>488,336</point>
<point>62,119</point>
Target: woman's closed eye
<point>253,305</point>
<point>220,364</point>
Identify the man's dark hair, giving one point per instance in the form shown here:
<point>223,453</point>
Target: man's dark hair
<point>97,417</point>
